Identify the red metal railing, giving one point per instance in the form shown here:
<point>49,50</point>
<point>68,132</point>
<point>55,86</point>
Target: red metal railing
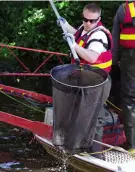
<point>35,127</point>
<point>21,92</point>
<point>28,71</point>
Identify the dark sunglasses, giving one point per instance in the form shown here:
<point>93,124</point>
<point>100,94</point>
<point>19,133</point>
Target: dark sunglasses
<point>90,20</point>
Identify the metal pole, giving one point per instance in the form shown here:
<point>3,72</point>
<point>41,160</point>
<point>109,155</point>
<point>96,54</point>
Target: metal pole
<point>75,56</point>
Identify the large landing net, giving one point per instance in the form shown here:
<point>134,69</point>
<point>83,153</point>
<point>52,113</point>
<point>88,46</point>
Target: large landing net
<point>78,94</point>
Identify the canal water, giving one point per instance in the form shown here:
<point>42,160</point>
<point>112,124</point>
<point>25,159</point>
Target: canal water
<point>19,151</point>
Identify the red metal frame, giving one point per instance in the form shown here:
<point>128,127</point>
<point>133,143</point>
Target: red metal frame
<point>34,126</point>
<point>28,72</point>
<point>21,92</point>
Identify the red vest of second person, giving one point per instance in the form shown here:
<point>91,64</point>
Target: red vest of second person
<point>104,61</point>
<point>127,35</point>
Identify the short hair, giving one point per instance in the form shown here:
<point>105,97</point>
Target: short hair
<point>92,7</point>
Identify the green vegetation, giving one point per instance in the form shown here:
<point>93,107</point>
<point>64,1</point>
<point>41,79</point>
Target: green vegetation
<point>33,23</point>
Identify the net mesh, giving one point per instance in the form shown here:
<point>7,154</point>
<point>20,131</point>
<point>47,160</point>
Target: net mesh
<point>117,157</point>
<point>78,95</point>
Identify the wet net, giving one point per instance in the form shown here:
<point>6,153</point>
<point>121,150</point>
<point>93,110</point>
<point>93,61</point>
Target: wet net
<point>78,94</point>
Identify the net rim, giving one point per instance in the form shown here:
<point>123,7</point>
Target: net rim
<point>92,86</point>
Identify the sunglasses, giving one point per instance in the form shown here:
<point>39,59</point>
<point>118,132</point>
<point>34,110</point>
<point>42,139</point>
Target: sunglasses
<point>90,20</point>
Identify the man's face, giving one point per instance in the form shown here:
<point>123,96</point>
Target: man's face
<point>90,20</point>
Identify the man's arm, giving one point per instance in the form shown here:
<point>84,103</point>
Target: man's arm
<point>88,55</point>
<point>70,28</point>
<point>119,18</point>
<point>94,49</point>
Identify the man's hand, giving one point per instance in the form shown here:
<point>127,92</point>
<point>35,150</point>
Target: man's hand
<point>72,38</point>
<point>62,20</point>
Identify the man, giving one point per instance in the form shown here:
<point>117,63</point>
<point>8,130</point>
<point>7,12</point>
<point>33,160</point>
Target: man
<point>92,42</point>
<point>124,51</point>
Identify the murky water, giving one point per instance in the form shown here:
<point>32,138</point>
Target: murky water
<point>19,151</point>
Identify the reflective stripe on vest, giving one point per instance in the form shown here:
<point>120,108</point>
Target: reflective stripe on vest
<point>127,36</point>
<point>132,9</point>
<point>81,43</point>
<point>103,65</point>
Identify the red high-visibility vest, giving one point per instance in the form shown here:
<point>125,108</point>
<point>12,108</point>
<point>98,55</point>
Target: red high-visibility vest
<point>127,34</point>
<point>104,61</point>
